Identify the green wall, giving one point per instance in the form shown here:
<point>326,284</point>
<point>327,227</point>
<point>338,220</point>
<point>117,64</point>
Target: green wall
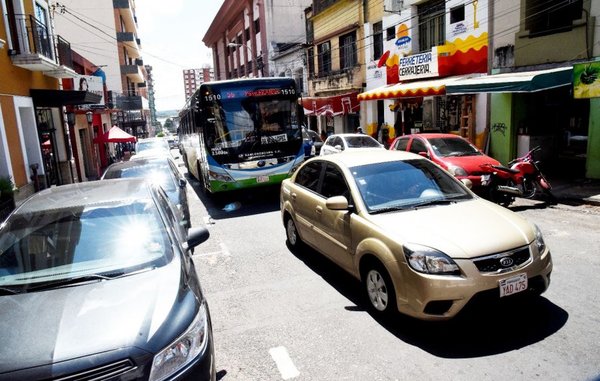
<point>592,170</point>
<point>502,142</point>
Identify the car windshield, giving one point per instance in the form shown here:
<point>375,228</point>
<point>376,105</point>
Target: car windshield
<point>313,135</point>
<point>85,241</point>
<point>453,147</point>
<point>398,185</point>
<point>361,142</point>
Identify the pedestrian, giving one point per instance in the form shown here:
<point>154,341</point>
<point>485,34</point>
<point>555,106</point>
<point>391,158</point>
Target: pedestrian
<point>359,130</point>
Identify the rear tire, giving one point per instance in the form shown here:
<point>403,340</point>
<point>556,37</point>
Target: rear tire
<point>379,289</point>
<point>293,238</point>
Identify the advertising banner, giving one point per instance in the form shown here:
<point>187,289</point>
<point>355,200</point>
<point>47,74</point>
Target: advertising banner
<point>586,80</point>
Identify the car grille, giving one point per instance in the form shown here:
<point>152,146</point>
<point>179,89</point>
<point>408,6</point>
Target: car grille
<point>106,372</point>
<point>501,262</point>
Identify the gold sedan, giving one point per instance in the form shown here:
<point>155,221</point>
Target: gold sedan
<point>419,240</point>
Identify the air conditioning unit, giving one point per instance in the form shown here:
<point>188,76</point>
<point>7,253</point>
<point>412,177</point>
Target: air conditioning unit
<point>393,6</point>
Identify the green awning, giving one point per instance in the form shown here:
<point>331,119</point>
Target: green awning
<point>521,82</point>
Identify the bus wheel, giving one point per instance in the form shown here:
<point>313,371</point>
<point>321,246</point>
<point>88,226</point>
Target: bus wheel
<point>202,180</point>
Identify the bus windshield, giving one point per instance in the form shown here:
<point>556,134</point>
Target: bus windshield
<point>251,127</point>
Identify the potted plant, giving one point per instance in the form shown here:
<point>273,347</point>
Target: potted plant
<point>7,197</point>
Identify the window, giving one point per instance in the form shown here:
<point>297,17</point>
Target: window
<point>324,51</point>
<point>431,24</point>
<point>334,183</point>
<point>390,33</point>
<point>247,33</point>
<point>417,146</point>
<point>348,51</point>
<point>309,175</point>
<point>257,26</point>
<point>543,17</point>
<point>457,14</point>
<point>311,61</point>
<point>377,40</point>
<point>401,144</point>
<point>309,31</point>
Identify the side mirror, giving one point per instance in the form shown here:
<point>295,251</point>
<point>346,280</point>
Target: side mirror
<point>338,147</point>
<point>196,236</point>
<point>337,203</point>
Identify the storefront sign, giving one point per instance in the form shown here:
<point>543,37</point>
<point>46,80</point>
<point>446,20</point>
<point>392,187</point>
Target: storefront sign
<point>93,84</point>
<point>586,80</point>
<point>421,65</point>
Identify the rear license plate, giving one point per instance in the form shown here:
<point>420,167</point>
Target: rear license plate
<point>262,179</point>
<point>513,285</point>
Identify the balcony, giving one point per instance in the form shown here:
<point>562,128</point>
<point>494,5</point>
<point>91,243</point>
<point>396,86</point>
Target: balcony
<point>129,103</point>
<point>133,72</point>
<point>125,11</point>
<point>65,60</point>
<point>33,45</point>
<point>341,80</point>
<point>131,43</point>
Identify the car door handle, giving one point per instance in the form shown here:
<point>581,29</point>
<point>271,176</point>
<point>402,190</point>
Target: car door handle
<point>319,209</point>
<point>294,196</point>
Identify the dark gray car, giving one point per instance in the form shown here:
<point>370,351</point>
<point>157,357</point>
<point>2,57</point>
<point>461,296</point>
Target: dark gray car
<point>97,282</point>
<point>159,170</point>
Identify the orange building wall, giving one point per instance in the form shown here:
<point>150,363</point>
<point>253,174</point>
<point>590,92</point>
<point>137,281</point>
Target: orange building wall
<point>12,138</point>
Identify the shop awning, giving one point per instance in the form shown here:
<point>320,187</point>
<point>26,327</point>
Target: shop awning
<point>522,82</point>
<point>59,98</point>
<point>333,105</point>
<point>434,86</point>
<point>115,135</point>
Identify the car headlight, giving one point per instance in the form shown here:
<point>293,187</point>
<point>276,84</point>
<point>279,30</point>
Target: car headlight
<point>429,261</point>
<point>539,240</point>
<point>457,171</point>
<point>212,175</point>
<point>183,350</point>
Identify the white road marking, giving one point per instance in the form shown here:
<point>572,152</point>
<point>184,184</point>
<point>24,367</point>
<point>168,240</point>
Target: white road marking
<point>223,252</point>
<point>284,363</point>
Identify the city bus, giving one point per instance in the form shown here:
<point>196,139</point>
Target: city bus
<point>244,133</point>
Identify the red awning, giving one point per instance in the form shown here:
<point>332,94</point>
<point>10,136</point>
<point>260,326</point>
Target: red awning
<point>333,105</point>
<point>115,135</point>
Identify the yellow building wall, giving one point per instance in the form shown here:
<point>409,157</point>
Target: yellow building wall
<point>374,11</point>
<point>336,17</point>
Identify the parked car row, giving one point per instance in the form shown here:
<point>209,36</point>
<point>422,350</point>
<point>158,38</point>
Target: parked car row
<point>103,278</point>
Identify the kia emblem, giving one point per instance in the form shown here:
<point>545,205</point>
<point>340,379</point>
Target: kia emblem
<point>506,262</point>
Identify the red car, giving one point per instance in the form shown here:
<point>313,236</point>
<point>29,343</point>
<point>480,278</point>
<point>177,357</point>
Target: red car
<point>454,153</point>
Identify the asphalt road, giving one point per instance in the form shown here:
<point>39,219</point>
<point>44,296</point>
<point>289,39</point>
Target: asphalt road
<point>280,316</point>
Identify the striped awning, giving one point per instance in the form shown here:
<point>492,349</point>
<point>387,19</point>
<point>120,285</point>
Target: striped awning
<point>436,86</point>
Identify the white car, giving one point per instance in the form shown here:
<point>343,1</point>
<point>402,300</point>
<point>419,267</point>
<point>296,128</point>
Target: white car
<point>348,142</point>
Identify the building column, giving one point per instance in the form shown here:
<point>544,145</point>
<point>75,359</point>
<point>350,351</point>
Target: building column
<point>252,38</point>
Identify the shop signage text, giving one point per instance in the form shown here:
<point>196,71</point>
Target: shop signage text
<point>421,65</point>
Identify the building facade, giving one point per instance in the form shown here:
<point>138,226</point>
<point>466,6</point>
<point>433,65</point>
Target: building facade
<point>35,149</point>
<point>115,46</point>
<point>245,36</point>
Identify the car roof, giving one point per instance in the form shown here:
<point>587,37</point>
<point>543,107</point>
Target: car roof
<point>367,156</point>
<point>349,134</point>
<point>139,162</point>
<point>87,193</point>
<point>432,136</point>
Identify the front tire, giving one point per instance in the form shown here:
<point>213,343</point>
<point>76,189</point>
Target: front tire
<point>379,289</point>
<point>529,187</point>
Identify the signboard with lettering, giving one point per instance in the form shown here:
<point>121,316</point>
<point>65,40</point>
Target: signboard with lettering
<point>423,65</point>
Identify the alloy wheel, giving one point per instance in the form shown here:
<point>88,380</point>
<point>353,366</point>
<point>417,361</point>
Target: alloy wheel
<point>377,290</point>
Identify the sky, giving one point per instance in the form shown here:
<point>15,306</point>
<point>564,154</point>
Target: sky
<point>171,33</point>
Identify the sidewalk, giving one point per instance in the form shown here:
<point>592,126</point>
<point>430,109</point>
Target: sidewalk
<point>581,191</point>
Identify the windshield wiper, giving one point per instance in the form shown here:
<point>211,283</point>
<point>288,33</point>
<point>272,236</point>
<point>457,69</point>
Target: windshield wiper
<point>388,209</point>
<point>74,281</point>
<point>432,203</point>
<point>8,291</point>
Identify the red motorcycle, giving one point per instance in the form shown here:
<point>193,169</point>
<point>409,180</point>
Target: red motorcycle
<point>522,179</point>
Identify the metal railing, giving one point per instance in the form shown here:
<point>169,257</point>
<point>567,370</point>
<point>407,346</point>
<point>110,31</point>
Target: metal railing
<point>65,54</point>
<point>32,36</point>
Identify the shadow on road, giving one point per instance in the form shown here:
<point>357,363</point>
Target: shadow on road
<point>237,203</point>
<point>477,331</point>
